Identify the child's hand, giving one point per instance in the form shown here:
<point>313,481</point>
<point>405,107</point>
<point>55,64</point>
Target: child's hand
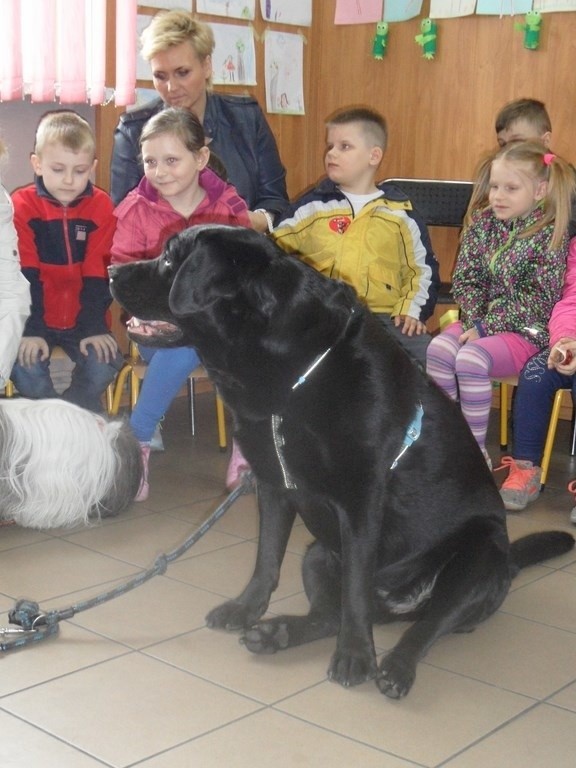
<point>410,325</point>
<point>470,335</point>
<point>104,345</point>
<point>31,349</point>
<point>563,356</point>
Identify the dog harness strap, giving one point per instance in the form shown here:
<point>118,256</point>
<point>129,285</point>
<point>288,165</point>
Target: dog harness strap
<point>279,443</point>
<point>302,379</point>
<point>412,434</point>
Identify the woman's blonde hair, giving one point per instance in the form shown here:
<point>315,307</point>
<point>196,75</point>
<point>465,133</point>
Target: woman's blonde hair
<point>170,28</point>
<point>539,164</point>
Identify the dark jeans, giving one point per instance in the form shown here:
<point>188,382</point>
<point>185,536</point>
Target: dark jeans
<point>89,377</point>
<point>416,346</point>
<point>537,386</point>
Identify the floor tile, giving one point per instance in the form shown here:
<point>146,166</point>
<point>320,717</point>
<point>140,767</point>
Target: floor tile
<point>545,737</point>
<point>274,739</point>
<point>22,745</point>
<point>442,714</point>
<point>55,567</point>
<point>512,653</point>
<point>219,657</point>
<point>133,707</point>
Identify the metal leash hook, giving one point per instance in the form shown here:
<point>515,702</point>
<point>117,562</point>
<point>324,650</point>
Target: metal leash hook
<point>33,624</point>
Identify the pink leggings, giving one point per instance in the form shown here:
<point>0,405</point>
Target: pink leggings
<point>465,370</point>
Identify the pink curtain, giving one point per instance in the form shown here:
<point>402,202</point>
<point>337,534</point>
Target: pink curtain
<point>55,50</point>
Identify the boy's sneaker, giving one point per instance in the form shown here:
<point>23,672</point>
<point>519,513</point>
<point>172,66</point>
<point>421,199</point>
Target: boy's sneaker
<point>522,484</point>
<point>572,489</point>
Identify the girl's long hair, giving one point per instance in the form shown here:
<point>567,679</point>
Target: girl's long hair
<point>535,161</point>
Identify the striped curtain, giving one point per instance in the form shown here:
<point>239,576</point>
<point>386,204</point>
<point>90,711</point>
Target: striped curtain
<point>55,50</point>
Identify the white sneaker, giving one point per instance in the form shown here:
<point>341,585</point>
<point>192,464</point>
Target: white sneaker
<point>157,444</point>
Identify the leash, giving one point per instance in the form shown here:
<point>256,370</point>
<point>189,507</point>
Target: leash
<point>33,624</point>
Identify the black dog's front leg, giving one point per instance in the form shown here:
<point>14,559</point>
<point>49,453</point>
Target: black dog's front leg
<point>276,520</point>
<point>354,660</point>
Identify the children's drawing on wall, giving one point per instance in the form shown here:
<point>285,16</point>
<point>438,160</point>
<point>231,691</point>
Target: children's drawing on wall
<point>233,60</point>
<point>283,55</point>
<point>287,11</point>
<point>358,11</point>
<point>448,9</point>
<point>503,7</point>
<point>401,10</point>
<point>234,9</point>
<point>185,5</point>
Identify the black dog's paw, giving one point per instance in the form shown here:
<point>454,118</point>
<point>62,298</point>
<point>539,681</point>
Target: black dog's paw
<point>352,668</point>
<point>267,637</point>
<point>231,616</point>
<point>395,676</point>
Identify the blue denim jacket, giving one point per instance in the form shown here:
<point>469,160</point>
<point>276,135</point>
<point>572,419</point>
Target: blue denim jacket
<point>240,137</point>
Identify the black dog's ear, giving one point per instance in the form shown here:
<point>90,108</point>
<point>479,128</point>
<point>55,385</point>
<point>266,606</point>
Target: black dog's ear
<point>216,265</point>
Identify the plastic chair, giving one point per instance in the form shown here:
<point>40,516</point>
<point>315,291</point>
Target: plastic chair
<point>135,368</point>
<point>58,354</point>
<point>512,381</point>
<point>440,204</point>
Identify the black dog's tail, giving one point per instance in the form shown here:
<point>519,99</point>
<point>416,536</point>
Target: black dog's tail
<point>533,549</point>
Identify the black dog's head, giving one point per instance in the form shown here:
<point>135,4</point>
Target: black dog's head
<point>229,285</point>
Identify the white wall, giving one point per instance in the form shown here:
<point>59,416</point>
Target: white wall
<point>18,121</point>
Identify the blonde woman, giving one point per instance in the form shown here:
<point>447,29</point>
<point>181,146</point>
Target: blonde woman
<point>179,49</point>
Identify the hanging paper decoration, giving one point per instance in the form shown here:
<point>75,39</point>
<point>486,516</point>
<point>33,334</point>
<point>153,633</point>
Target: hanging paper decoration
<point>380,41</point>
<point>427,38</point>
<point>531,29</point>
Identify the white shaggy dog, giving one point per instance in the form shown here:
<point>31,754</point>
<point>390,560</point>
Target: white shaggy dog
<point>61,465</point>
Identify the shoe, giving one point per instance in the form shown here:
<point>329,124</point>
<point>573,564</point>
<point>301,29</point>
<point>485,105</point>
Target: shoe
<point>488,459</point>
<point>156,443</point>
<point>522,484</point>
<point>572,489</point>
<point>144,488</point>
<point>236,468</point>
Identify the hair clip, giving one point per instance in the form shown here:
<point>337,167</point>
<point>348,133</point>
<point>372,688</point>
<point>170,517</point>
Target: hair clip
<point>549,158</point>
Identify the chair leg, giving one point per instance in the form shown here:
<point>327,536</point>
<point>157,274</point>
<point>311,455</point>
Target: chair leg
<point>221,423</point>
<point>573,429</point>
<point>503,416</point>
<point>109,398</point>
<point>118,389</point>
<point>551,436</point>
<point>191,395</point>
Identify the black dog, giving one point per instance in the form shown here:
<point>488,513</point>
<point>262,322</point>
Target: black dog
<point>342,428</point>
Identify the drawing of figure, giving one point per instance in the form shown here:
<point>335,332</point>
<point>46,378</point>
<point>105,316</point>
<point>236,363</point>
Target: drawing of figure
<point>240,47</point>
<point>230,68</point>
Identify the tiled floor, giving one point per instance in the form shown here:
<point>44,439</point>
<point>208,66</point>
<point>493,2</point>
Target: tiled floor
<point>140,681</point>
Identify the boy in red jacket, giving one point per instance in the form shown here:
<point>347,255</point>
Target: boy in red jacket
<point>65,227</point>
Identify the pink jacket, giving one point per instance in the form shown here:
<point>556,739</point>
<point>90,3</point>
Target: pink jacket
<point>562,321</point>
<point>145,221</point>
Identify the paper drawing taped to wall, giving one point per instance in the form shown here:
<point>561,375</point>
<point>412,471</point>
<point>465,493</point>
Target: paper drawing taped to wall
<point>284,80</point>
<point>233,60</point>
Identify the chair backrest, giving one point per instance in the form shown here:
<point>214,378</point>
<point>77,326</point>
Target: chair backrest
<point>440,203</point>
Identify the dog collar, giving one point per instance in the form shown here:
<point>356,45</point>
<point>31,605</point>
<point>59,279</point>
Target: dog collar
<point>412,434</point>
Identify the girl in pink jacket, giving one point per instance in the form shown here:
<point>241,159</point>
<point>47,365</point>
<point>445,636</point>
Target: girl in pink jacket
<point>177,191</point>
<point>551,369</point>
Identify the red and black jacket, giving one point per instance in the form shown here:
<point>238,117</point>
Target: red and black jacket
<point>64,252</point>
